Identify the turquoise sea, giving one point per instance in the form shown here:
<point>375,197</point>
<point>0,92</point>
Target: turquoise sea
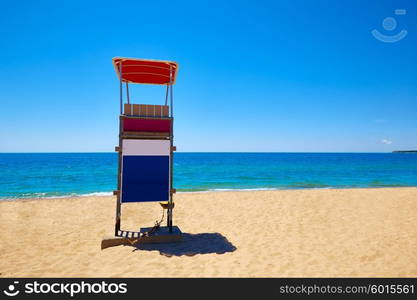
<point>24,175</point>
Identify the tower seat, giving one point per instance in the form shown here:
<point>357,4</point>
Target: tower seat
<point>146,110</point>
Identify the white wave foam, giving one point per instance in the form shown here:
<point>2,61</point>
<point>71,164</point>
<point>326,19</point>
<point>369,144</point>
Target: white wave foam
<point>96,194</point>
<point>44,196</point>
<point>256,189</point>
<point>231,190</point>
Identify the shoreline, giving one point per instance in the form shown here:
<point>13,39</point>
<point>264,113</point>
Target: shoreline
<point>110,194</point>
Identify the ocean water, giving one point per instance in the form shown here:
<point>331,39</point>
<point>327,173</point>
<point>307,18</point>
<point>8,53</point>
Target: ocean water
<point>24,175</point>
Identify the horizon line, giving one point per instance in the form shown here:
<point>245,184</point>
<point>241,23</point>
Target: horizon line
<point>81,152</point>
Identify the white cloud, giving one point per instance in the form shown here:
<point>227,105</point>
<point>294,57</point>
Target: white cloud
<point>386,142</point>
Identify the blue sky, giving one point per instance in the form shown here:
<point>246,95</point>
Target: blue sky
<point>254,75</point>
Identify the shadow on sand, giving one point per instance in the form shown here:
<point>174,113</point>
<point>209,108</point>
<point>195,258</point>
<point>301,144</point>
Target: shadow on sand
<point>192,244</point>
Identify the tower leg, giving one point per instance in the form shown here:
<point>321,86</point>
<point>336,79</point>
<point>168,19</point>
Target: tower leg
<point>119,175</point>
<point>169,219</point>
<point>117,227</point>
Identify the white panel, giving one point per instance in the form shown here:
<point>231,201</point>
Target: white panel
<point>146,147</point>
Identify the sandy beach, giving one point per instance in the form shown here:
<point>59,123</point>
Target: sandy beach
<point>293,233</point>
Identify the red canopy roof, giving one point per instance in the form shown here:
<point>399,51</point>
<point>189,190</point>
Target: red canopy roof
<point>145,70</point>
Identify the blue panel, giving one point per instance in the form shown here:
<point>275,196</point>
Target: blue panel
<point>145,178</point>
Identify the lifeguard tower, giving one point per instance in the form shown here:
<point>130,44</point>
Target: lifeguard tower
<point>145,150</point>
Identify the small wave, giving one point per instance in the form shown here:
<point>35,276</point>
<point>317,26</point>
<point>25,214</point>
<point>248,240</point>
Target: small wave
<point>248,189</point>
<point>96,194</point>
<point>51,196</point>
<point>228,190</point>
